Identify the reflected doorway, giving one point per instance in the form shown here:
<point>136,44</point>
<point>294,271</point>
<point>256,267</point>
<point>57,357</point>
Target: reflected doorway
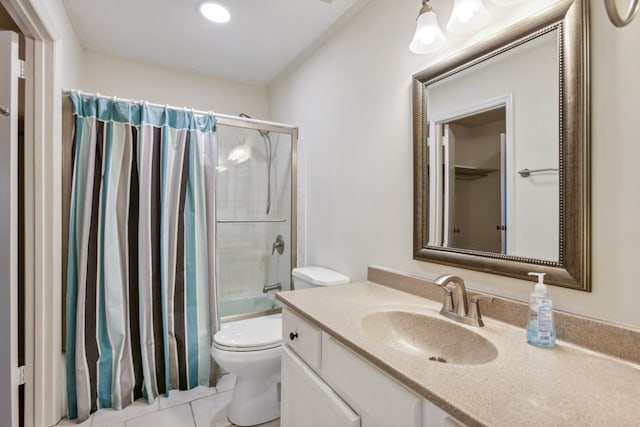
<point>475,181</point>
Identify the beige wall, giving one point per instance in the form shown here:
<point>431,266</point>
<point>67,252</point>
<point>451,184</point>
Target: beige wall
<point>352,101</point>
<point>110,75</point>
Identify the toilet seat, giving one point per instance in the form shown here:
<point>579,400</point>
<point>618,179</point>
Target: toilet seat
<point>242,349</point>
<point>251,349</point>
<point>255,334</point>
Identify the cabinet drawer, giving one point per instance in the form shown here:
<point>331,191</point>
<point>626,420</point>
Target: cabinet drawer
<point>376,397</point>
<point>302,337</point>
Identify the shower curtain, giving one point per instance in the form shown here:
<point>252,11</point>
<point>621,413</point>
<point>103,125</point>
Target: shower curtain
<point>140,299</point>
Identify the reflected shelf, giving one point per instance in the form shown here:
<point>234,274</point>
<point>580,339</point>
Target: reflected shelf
<point>470,172</point>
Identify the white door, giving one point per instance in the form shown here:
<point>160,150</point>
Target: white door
<point>435,184</point>
<point>503,192</point>
<point>307,401</point>
<point>449,144</point>
<point>8,229</point>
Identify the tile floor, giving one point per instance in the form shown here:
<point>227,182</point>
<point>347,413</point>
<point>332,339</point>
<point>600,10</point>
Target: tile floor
<point>199,407</point>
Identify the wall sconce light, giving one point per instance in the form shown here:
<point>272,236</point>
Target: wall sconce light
<point>466,16</point>
<point>469,15</point>
<point>428,36</point>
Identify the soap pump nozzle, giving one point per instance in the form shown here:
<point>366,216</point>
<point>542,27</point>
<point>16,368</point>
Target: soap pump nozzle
<point>540,288</point>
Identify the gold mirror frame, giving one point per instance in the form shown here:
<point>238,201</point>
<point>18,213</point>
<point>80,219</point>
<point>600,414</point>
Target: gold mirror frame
<point>573,268</point>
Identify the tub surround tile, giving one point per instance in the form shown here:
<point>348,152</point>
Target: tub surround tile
<point>614,340</point>
<point>565,385</point>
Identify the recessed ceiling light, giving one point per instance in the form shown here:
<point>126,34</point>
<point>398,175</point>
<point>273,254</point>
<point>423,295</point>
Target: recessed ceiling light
<point>215,12</point>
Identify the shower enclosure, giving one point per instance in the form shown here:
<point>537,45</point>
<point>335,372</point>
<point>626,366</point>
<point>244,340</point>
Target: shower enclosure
<point>255,215</point>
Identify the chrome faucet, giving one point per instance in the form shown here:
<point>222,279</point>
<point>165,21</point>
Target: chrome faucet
<point>455,306</point>
<point>276,287</point>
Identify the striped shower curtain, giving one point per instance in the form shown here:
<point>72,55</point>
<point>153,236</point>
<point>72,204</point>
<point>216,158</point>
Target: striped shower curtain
<point>140,291</point>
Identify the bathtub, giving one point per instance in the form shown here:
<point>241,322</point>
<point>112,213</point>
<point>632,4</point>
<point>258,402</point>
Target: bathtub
<point>245,304</point>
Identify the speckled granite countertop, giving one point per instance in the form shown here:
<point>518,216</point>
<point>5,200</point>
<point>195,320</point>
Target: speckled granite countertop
<point>523,385</point>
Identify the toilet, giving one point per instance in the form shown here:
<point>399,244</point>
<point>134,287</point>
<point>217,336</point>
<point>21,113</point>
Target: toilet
<point>251,349</point>
<point>313,277</point>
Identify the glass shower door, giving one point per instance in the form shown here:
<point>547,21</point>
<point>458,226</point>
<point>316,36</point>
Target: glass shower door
<point>253,218</point>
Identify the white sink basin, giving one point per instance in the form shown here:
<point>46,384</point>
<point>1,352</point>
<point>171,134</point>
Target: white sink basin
<point>428,337</point>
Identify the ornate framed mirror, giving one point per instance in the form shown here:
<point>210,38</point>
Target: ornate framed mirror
<point>502,152</point>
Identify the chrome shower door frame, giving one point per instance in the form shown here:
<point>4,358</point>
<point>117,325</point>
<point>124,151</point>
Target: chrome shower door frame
<point>261,125</point>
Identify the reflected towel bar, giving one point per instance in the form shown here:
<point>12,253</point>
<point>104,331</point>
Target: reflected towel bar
<point>526,172</point>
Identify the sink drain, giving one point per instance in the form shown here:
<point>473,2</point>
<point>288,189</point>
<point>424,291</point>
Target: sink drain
<point>437,359</point>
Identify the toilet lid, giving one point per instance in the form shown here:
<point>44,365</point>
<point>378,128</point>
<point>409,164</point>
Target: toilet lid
<point>255,333</point>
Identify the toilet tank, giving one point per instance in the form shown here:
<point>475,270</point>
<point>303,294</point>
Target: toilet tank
<point>312,277</point>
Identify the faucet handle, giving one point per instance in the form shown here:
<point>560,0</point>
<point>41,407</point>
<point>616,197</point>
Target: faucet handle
<point>474,309</point>
<point>278,245</point>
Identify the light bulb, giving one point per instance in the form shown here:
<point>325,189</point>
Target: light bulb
<point>467,16</point>
<point>428,36</point>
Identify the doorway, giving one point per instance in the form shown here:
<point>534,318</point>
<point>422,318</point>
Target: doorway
<point>479,217</point>
<point>13,298</point>
<point>35,217</point>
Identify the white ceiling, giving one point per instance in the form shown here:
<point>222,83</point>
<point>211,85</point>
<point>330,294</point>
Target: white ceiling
<point>260,40</point>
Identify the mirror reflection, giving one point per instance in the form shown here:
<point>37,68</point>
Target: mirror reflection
<point>486,124</point>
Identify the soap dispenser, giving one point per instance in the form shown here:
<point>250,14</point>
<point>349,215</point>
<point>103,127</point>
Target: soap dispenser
<point>541,330</point>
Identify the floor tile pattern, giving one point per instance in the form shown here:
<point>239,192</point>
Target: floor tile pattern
<point>199,407</point>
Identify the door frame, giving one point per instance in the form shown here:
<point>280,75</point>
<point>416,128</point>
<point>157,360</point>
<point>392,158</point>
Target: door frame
<point>437,159</point>
<point>44,396</point>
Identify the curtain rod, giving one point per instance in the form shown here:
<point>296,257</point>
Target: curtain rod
<point>226,118</point>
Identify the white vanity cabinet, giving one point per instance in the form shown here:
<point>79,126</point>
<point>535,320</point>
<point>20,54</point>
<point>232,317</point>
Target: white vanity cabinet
<point>307,401</point>
<point>326,384</point>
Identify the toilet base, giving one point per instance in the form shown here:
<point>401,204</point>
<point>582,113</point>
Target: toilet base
<point>255,400</point>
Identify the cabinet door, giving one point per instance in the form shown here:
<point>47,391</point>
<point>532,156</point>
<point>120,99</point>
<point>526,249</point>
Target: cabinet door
<point>307,401</point>
<point>380,400</point>
<point>436,417</point>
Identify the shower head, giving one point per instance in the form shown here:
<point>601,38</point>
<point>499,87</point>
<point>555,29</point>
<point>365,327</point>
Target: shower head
<point>264,133</point>
<point>267,145</point>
